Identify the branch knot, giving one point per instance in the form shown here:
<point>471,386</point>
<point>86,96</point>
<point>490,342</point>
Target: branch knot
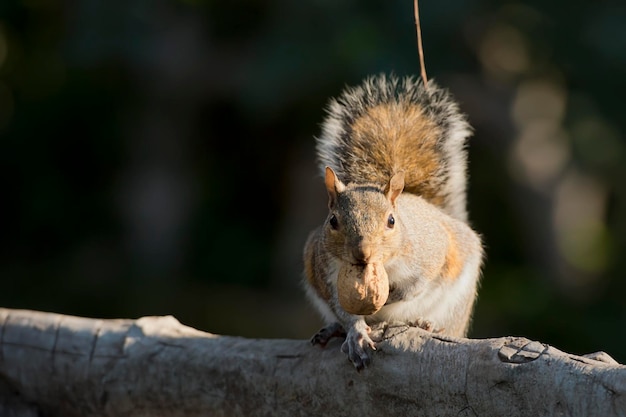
<point>520,350</point>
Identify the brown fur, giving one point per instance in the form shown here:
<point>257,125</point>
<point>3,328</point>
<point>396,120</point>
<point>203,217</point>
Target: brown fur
<point>315,277</point>
<point>454,258</point>
<point>406,139</point>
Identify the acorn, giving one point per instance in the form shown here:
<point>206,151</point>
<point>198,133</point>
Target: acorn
<point>362,289</point>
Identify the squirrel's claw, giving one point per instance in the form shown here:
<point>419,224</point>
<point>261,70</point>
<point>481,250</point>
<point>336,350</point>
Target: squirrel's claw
<point>355,346</point>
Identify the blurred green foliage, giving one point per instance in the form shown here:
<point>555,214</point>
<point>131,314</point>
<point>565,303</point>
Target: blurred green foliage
<point>157,156</point>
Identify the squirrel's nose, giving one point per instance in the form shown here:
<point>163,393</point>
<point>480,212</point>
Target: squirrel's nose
<point>362,252</point>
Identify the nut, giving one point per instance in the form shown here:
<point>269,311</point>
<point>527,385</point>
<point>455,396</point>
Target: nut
<point>362,289</point>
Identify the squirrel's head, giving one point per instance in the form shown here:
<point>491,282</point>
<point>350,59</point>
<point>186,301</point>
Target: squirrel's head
<point>362,224</point>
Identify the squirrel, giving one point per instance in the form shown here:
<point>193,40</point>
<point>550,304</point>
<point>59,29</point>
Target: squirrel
<point>393,155</point>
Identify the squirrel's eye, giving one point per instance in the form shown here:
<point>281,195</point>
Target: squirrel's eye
<point>334,223</point>
<point>391,221</point>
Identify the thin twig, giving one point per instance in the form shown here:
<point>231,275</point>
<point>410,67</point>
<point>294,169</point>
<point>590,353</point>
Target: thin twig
<point>419,43</point>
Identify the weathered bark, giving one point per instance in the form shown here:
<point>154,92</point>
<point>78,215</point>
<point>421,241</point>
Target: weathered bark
<point>56,365</point>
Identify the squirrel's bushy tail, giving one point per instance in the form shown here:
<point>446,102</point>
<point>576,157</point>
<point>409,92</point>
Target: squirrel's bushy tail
<point>388,124</point>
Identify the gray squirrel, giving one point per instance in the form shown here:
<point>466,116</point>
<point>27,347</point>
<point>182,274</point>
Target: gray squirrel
<point>393,157</point>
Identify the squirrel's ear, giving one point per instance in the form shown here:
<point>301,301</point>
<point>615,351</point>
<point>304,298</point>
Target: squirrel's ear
<point>333,185</point>
<point>396,185</point>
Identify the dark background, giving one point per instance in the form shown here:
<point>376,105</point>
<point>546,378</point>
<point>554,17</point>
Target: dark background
<point>157,156</point>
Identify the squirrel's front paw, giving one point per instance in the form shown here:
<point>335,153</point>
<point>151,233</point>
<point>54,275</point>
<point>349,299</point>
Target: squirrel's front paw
<point>326,333</point>
<point>356,346</point>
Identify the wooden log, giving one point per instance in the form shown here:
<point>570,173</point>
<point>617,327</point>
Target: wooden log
<point>58,365</point>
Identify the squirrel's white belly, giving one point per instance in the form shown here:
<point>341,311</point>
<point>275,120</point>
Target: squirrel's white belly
<point>438,301</point>
<point>429,304</point>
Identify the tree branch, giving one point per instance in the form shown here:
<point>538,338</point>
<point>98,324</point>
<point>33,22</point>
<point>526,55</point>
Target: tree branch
<point>58,365</point>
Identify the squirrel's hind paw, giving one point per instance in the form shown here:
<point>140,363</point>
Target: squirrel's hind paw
<point>427,325</point>
<point>326,333</point>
